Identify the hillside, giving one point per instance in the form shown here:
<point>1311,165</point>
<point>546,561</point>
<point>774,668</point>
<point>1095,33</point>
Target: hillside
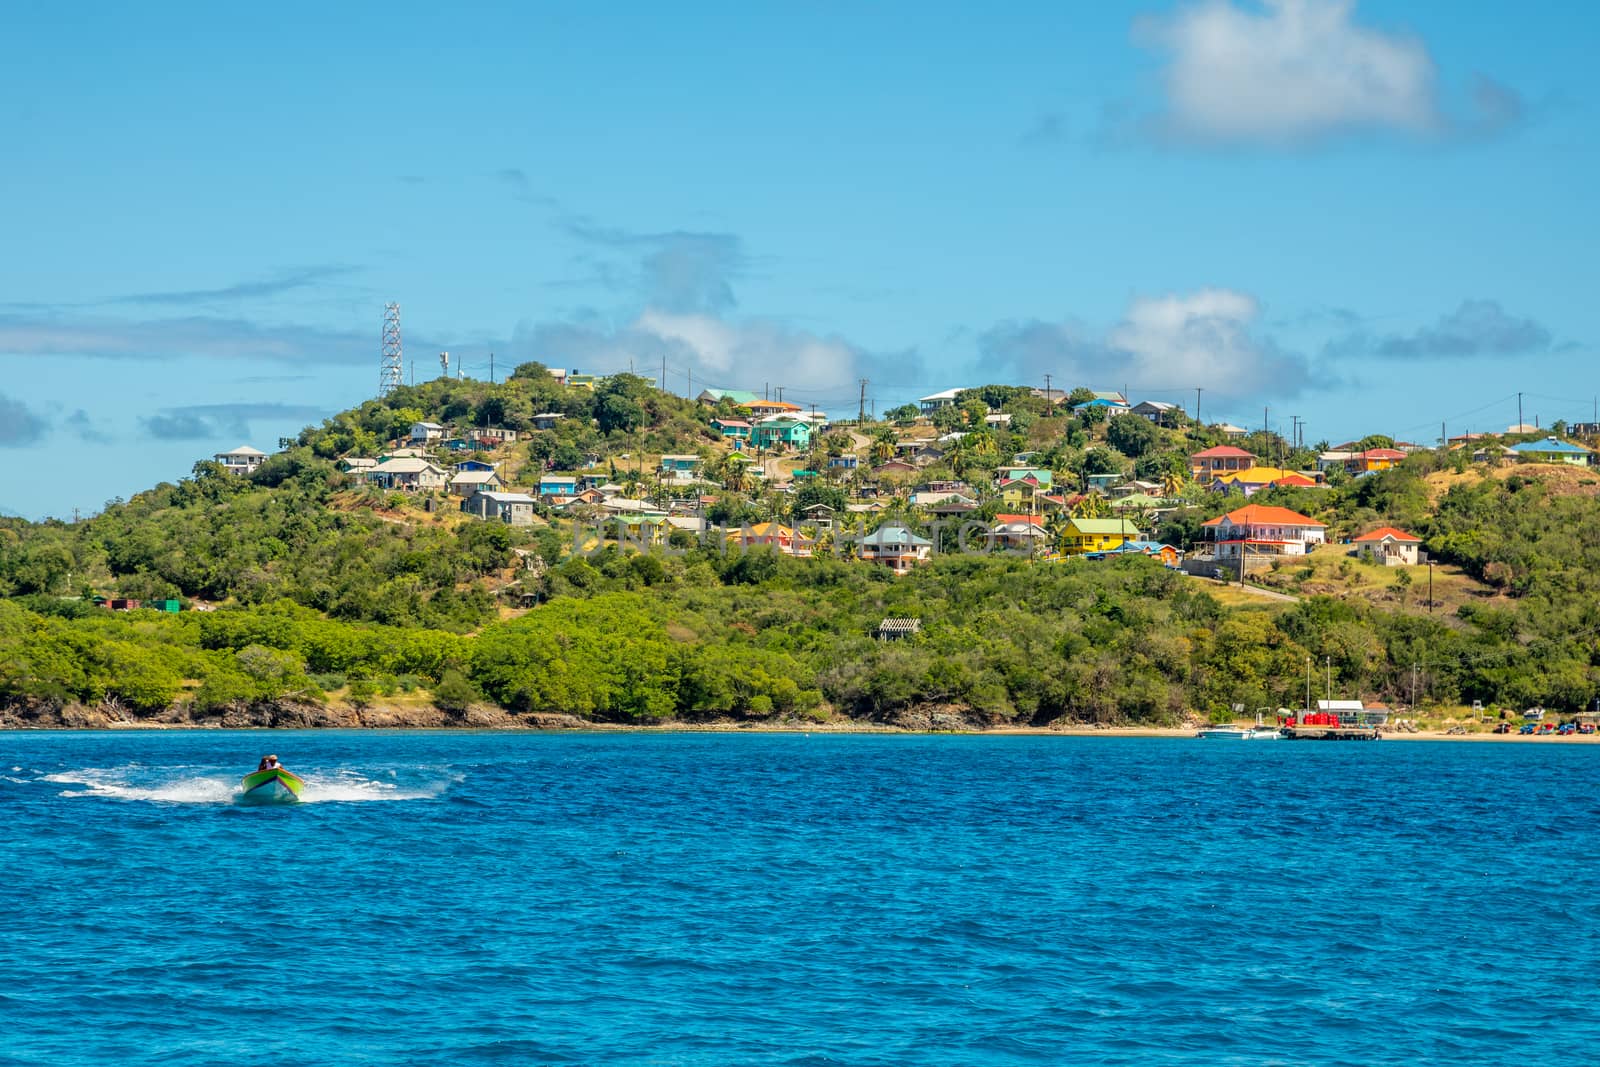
<point>306,591</point>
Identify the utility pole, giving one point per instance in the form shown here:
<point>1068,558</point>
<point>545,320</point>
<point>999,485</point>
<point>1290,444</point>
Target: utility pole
<point>861,412</point>
<point>1330,678</point>
<point>662,384</point>
<point>1519,412</point>
<point>491,368</point>
<point>1308,685</point>
<point>1047,388</point>
<point>1197,391</point>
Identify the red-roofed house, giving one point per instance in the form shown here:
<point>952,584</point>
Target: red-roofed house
<point>1223,459</point>
<point>1260,529</point>
<point>1389,546</point>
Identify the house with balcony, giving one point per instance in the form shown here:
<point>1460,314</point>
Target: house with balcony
<point>680,468</point>
<point>934,401</point>
<point>241,460</point>
<point>895,547</point>
<point>1263,530</point>
<point>426,433</point>
<point>1389,546</point>
<point>781,432</point>
<point>1208,465</point>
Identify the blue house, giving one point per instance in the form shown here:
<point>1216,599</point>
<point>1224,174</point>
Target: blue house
<point>844,463</point>
<point>558,485</point>
<point>1552,450</point>
<point>474,465</point>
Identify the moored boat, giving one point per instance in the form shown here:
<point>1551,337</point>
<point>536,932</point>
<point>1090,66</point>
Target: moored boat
<point>272,784</point>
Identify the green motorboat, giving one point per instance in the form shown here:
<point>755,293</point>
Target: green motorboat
<point>269,784</point>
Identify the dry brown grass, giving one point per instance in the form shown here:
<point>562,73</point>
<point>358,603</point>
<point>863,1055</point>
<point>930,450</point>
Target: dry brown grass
<point>1331,571</point>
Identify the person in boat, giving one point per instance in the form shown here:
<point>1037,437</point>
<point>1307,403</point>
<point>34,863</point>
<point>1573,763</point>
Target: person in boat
<point>269,763</point>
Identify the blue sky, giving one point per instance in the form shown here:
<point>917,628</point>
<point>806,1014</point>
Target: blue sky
<point>1373,216</point>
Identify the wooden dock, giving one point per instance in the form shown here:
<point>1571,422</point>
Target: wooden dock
<point>1330,733</point>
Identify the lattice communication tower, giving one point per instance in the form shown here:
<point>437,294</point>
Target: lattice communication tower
<point>389,374</point>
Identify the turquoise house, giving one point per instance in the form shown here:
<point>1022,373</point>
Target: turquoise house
<point>771,433</point>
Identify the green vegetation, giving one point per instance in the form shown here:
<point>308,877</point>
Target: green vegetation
<point>321,589</point>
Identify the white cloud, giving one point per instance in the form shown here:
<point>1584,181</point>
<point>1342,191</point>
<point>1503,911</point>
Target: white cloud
<point>1167,342</point>
<point>802,360</point>
<point>1284,71</point>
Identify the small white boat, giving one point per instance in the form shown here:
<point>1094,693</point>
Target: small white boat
<point>1226,733</point>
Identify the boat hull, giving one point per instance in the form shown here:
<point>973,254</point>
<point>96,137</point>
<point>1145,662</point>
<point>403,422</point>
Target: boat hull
<point>273,786</point>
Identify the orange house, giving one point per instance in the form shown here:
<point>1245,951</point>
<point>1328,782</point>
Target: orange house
<point>1223,459</point>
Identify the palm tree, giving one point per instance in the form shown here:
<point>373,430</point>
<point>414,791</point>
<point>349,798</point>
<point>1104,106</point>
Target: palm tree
<point>1173,482</point>
<point>1092,506</point>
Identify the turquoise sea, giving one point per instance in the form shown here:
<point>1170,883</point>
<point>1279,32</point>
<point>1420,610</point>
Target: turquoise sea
<point>675,899</point>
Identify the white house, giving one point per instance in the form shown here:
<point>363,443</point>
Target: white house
<point>241,460</point>
<point>1389,546</point>
<point>426,433</point>
<point>1261,529</point>
<point>934,401</point>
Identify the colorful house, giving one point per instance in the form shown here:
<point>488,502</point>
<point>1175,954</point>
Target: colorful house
<point>773,407</point>
<point>1215,462</point>
<point>1552,450</point>
<point>1373,459</point>
<point>1168,555</point>
<point>895,547</point>
<point>732,429</point>
<point>1249,482</point>
<point>1019,492</point>
<point>1389,546</point>
<point>1259,529</point>
<point>771,534</point>
<point>780,430</point>
<point>558,485</point>
<point>679,464</point>
<point>1079,536</point>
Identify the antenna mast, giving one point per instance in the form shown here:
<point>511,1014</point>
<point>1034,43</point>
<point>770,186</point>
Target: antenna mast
<point>389,370</point>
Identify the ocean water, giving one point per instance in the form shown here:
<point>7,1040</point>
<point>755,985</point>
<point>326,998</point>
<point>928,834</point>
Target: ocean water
<point>685,899</point>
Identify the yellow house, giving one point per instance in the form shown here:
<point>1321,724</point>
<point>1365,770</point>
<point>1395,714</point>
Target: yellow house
<point>1018,493</point>
<point>1079,536</point>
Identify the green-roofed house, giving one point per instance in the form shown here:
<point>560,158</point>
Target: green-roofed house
<point>712,397</point>
<point>1079,536</point>
<point>781,430</point>
<point>1552,450</point>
